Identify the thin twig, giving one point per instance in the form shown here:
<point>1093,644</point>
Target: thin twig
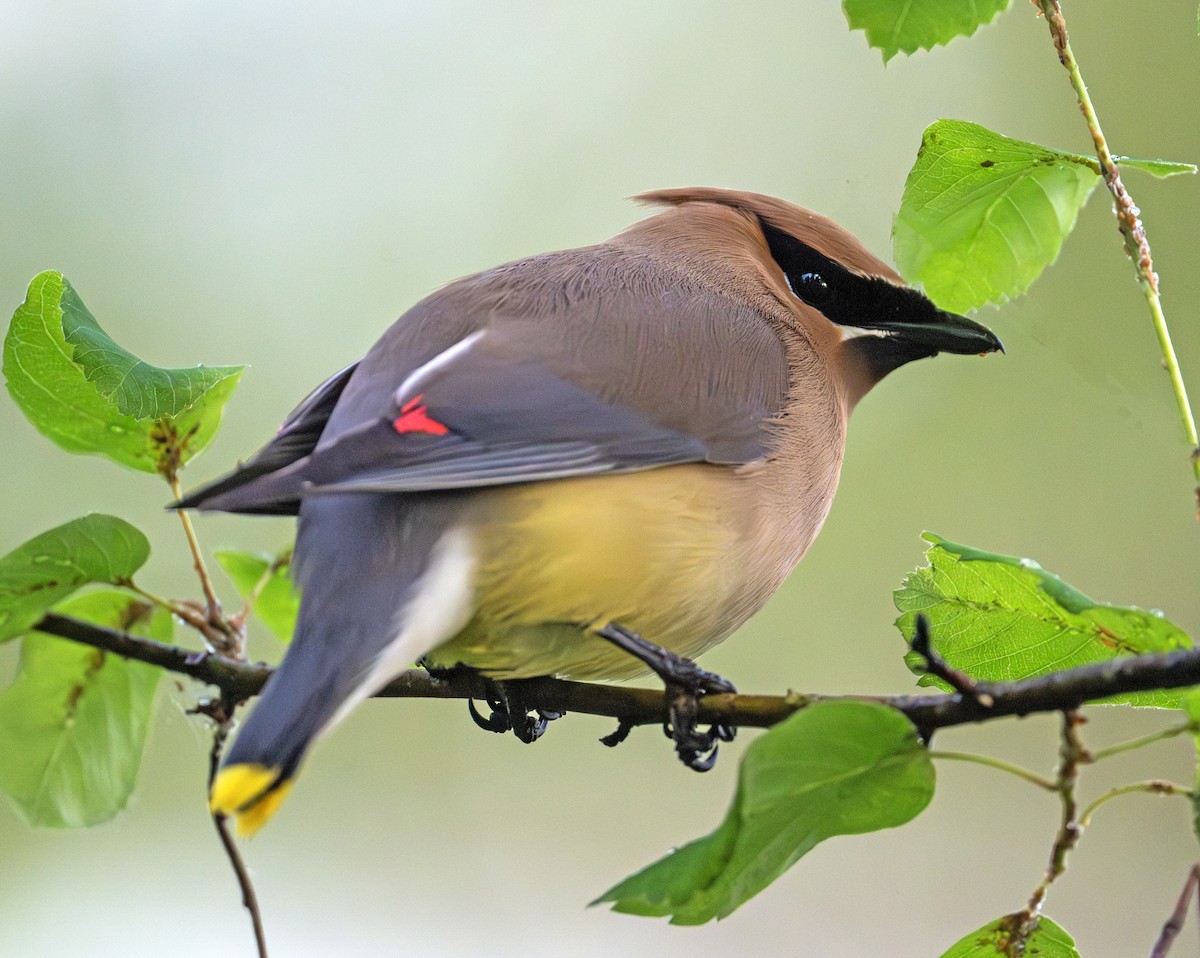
<point>922,644</point>
<point>1048,693</point>
<point>1130,225</point>
<point>187,612</point>
<point>1175,922</point>
<point>1072,754</point>
<point>236,680</point>
<point>222,720</point>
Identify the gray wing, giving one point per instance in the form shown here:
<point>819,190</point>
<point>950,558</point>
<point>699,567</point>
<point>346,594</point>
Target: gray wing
<point>562,366</point>
<point>295,440</point>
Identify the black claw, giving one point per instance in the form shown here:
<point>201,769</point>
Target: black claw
<point>685,683</point>
<point>613,739</point>
<point>698,762</point>
<point>509,713</point>
<point>530,729</point>
<point>496,722</point>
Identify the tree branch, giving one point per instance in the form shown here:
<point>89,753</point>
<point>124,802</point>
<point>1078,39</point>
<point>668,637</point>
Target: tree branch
<point>1055,692</point>
<point>1175,923</point>
<point>1072,754</point>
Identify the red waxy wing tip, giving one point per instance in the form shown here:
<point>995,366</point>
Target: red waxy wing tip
<point>414,417</point>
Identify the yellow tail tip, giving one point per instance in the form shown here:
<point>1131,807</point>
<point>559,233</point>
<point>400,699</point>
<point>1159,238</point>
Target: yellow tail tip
<point>249,792</point>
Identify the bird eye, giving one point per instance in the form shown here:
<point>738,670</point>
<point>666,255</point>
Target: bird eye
<point>812,288</point>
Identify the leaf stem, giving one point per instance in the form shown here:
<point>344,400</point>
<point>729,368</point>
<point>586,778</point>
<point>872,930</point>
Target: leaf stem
<point>281,561</point>
<point>263,581</point>
<point>1103,753</point>
<point>1000,765</point>
<point>189,614</point>
<point>1131,228</point>
<point>222,636</point>
<point>1151,787</point>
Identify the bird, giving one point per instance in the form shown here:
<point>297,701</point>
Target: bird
<point>588,463</point>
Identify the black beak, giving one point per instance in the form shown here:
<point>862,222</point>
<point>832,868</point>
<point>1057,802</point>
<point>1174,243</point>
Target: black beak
<point>941,332</point>
<point>917,331</point>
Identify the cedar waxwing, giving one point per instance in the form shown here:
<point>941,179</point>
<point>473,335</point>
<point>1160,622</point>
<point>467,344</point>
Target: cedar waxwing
<point>642,436</point>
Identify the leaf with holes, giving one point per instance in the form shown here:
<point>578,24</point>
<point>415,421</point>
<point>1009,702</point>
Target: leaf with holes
<point>50,566</point>
<point>266,584</point>
<point>73,724</point>
<point>995,940</point>
<point>895,28</point>
<point>834,768</point>
<point>1001,618</point>
<point>90,395</point>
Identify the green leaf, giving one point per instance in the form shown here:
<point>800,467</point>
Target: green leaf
<point>982,215</point>
<point>50,566</point>
<point>1001,618</point>
<point>266,584</point>
<point>834,768</point>
<point>1160,168</point>
<point>994,940</point>
<point>73,724</point>
<point>893,27</point>
<point>89,395</point>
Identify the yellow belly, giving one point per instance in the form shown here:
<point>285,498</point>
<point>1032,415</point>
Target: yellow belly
<point>666,553</point>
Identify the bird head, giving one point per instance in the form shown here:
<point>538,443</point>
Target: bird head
<point>832,288</point>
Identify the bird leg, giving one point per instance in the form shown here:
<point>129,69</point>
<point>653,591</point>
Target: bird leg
<point>685,682</point>
<point>509,711</point>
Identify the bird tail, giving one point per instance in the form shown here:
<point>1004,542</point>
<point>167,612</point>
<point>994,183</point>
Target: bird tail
<point>249,791</point>
<point>384,579</point>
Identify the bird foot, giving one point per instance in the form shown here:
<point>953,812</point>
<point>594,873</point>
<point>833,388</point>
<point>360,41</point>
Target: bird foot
<point>510,713</point>
<point>685,683</point>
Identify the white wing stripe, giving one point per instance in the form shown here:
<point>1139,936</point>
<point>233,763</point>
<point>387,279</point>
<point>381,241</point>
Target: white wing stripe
<point>415,381</point>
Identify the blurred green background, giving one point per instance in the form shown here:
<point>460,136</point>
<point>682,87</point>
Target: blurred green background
<point>273,183</point>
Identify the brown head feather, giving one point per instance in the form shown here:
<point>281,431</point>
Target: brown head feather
<point>812,229</point>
